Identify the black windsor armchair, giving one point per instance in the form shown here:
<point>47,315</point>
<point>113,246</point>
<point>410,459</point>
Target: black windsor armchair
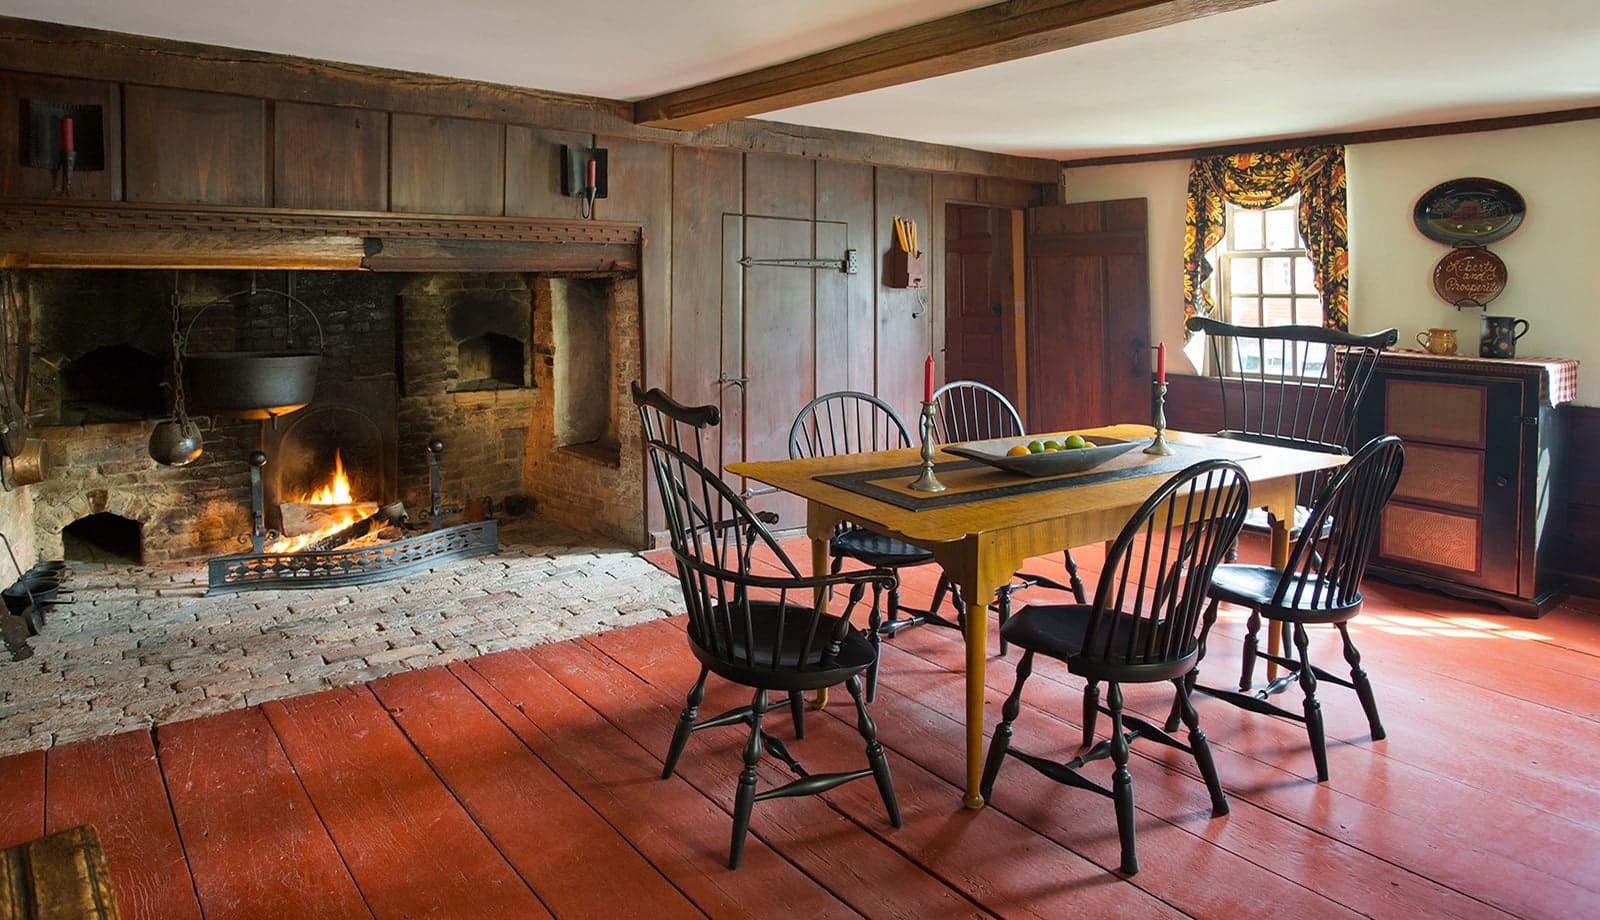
<point>1320,585</point>
<point>1143,627</point>
<point>761,631</point>
<point>1291,386</point>
<point>847,422</point>
<point>973,411</point>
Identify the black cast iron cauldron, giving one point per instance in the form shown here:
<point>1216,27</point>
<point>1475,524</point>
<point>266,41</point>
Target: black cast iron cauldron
<point>252,384</point>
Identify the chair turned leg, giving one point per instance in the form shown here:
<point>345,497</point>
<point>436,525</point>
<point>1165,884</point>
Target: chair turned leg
<point>1251,643</point>
<point>680,735</point>
<point>1358,676</point>
<point>1003,612</point>
<point>1201,748</point>
<point>875,755</point>
<point>1091,710</point>
<point>1002,733</point>
<point>1122,781</point>
<point>1073,580</point>
<point>939,591</point>
<point>797,712</point>
<point>746,797</point>
<point>875,634</point>
<point>1313,708</point>
<point>1193,677</point>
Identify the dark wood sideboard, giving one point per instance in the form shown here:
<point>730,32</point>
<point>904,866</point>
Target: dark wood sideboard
<point>1480,507</point>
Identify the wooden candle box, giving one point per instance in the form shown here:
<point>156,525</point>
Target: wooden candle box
<point>904,270</point>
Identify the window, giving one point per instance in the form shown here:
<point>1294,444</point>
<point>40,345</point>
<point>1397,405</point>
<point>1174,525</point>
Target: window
<point>1264,278</point>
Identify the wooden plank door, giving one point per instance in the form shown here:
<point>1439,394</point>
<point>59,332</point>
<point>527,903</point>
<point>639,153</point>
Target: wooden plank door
<point>976,286</point>
<point>770,365</point>
<point>1088,325</point>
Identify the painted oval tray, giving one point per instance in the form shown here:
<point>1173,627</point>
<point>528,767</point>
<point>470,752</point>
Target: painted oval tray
<point>1049,463</point>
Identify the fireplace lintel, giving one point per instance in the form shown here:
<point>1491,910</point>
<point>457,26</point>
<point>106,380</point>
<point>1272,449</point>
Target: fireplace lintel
<point>123,235</point>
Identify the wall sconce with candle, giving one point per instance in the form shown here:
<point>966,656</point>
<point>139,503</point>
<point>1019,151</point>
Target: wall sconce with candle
<point>583,174</point>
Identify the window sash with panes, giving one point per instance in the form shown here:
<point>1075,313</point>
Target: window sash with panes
<point>1264,278</point>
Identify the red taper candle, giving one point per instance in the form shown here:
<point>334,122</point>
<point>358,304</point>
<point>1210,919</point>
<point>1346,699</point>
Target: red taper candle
<point>591,175</point>
<point>67,139</point>
<point>927,380</point>
<point>1161,362</point>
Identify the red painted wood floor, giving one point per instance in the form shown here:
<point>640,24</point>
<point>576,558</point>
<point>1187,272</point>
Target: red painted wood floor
<point>524,784</point>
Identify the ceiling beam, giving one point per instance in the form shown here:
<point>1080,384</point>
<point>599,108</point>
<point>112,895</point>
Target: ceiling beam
<point>977,38</point>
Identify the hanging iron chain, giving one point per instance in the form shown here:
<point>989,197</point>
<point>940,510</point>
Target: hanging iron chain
<point>178,409</point>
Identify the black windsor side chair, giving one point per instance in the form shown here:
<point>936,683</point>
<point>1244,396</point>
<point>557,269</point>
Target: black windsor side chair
<point>1320,585</point>
<point>1143,627</point>
<point>847,422</point>
<point>973,411</point>
<point>760,631</point>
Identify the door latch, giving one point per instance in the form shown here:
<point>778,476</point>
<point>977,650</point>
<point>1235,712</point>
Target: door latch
<point>740,381</point>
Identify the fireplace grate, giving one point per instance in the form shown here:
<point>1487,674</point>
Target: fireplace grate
<point>335,568</point>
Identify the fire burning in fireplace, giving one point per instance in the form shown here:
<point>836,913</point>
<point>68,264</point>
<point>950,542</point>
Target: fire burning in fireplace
<point>325,512</point>
<point>337,491</point>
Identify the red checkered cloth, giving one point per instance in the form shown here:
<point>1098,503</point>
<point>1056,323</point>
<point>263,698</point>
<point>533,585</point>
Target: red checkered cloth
<point>1558,384</point>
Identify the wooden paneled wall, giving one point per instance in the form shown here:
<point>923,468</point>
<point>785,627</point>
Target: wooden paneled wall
<point>185,145</point>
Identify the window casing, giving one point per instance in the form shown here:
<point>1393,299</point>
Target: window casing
<point>1263,277</point>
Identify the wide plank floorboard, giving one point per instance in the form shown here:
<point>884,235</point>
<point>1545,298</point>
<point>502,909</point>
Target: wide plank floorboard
<point>527,784</point>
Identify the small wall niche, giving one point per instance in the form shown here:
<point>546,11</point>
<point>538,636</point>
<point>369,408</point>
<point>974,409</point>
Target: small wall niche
<point>584,356</point>
<point>104,538</point>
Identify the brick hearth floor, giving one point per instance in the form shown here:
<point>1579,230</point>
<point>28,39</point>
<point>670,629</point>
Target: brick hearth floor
<point>143,645</point>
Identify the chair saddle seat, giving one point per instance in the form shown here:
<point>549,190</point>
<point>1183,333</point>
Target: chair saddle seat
<point>1059,631</point>
<point>875,549</point>
<point>1254,586</point>
<point>768,655</point>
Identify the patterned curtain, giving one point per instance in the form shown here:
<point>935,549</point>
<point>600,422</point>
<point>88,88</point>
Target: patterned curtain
<point>1261,180</point>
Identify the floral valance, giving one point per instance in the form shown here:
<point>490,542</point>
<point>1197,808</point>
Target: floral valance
<point>1261,180</point>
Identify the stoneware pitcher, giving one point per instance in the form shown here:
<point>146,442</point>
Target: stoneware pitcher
<point>1499,334</point>
<point>1438,341</point>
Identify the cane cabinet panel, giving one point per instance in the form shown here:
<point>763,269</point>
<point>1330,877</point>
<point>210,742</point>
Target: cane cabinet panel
<point>1482,481</point>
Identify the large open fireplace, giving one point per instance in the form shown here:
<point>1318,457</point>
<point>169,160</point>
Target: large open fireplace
<point>519,374</point>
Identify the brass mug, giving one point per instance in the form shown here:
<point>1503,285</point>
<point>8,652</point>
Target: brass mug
<point>1438,341</point>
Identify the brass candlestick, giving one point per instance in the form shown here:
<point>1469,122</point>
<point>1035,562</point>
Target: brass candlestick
<point>926,481</point>
<point>1159,445</point>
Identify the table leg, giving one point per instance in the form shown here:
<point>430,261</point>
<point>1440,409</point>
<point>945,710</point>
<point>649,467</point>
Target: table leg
<point>819,564</point>
<point>976,634</point>
<point>1280,560</point>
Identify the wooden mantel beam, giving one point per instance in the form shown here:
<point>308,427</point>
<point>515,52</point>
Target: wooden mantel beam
<point>976,38</point>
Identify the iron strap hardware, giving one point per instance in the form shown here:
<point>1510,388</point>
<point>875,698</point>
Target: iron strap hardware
<point>850,264</point>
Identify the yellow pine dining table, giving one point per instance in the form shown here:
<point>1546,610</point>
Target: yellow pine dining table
<point>988,522</point>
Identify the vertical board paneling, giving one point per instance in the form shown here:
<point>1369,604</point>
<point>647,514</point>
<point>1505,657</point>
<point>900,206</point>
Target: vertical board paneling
<point>446,165</point>
<point>19,181</point>
<point>533,172</point>
<point>187,147</point>
<point>847,304</point>
<point>905,320</point>
<point>640,175</point>
<point>705,186</point>
<point>779,186</point>
<point>639,180</point>
<point>326,157</point>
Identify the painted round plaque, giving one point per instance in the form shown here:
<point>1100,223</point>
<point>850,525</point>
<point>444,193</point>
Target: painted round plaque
<point>1469,276</point>
<point>1470,210</point>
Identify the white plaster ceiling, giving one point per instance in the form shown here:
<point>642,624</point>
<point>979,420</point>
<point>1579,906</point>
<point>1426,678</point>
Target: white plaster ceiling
<point>1286,68</point>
